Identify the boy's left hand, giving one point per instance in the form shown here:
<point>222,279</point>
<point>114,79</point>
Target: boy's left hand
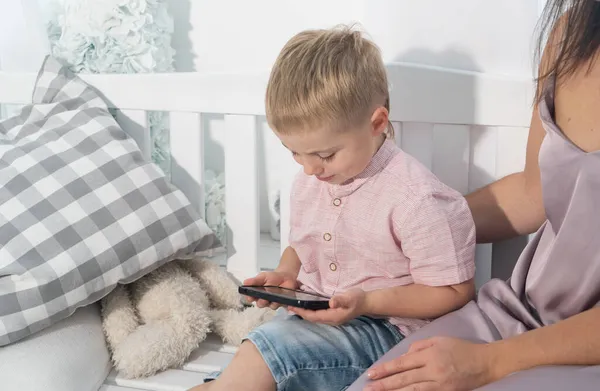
<point>342,308</point>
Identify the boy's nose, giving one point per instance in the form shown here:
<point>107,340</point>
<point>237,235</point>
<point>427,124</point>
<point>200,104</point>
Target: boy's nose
<point>312,169</point>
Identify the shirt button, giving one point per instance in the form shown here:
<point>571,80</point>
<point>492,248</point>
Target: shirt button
<point>337,202</point>
<point>333,266</point>
<point>327,236</point>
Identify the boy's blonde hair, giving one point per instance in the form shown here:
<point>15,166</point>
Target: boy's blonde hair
<point>333,77</point>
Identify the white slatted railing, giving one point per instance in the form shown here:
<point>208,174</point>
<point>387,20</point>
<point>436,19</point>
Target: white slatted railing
<point>187,156</point>
<point>482,170</point>
<point>469,128</point>
<point>241,195</point>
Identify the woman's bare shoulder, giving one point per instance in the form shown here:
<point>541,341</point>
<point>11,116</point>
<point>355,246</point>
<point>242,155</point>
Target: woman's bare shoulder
<point>577,107</point>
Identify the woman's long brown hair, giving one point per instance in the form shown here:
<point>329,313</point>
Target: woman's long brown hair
<point>572,30</point>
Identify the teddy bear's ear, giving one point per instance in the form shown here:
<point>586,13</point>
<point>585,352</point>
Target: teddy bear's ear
<point>220,287</point>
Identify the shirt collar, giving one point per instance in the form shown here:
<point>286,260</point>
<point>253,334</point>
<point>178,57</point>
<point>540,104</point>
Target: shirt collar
<point>378,162</point>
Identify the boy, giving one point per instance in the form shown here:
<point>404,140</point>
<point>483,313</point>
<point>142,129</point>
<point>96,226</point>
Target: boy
<point>370,226</point>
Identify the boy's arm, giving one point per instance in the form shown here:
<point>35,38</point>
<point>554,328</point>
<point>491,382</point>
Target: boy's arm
<point>418,301</point>
<point>437,235</point>
<point>289,263</point>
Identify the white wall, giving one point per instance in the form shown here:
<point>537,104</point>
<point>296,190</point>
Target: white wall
<point>487,36</point>
<point>23,41</point>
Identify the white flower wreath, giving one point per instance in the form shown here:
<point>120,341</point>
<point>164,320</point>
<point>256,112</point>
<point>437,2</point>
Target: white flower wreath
<point>116,36</point>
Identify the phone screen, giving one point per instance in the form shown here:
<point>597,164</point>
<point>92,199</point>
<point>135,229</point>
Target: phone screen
<point>305,296</point>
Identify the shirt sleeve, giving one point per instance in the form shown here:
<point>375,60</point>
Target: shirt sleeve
<point>437,235</point>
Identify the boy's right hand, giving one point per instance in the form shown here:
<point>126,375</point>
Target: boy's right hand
<point>274,278</point>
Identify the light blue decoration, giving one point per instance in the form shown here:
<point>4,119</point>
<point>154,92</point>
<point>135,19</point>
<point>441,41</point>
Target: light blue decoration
<point>117,36</point>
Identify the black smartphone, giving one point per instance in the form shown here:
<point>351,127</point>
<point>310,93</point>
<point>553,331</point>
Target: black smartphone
<point>285,296</point>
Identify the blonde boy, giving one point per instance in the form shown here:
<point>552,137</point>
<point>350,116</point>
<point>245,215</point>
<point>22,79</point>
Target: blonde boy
<point>370,226</point>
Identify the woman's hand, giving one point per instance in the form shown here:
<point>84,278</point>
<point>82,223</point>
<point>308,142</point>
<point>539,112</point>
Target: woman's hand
<point>441,363</point>
<point>342,308</point>
<point>274,278</point>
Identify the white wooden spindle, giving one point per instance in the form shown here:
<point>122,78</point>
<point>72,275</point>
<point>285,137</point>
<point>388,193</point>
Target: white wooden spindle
<point>135,124</point>
<point>397,133</point>
<point>511,150</point>
<point>417,140</point>
<point>483,150</point>
<point>187,156</point>
<point>241,195</point>
<point>483,264</point>
<point>451,155</point>
<point>482,171</point>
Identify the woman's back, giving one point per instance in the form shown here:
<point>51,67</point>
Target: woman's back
<point>557,274</point>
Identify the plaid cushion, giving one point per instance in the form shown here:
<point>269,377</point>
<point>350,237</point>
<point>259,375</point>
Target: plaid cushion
<point>80,209</point>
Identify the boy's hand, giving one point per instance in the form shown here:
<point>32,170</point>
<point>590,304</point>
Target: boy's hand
<point>274,278</point>
<point>342,308</point>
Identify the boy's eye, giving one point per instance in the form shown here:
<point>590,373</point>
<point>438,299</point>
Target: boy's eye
<point>328,158</point>
<point>324,158</point>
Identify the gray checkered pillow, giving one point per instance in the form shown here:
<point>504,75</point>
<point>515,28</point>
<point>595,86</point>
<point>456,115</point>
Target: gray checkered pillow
<point>80,210</point>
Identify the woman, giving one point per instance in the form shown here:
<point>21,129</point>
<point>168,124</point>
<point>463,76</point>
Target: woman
<point>542,326</point>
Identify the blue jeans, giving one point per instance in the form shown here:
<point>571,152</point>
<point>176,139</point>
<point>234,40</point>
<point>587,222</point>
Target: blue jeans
<point>308,356</point>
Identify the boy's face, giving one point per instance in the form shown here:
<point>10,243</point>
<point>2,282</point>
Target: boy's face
<point>334,156</point>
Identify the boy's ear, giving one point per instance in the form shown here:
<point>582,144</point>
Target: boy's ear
<point>379,120</point>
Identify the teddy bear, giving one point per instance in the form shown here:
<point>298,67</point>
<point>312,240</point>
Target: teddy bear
<point>157,321</point>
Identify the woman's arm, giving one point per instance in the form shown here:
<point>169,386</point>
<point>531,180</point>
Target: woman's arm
<point>462,365</point>
<point>573,341</point>
<point>513,205</point>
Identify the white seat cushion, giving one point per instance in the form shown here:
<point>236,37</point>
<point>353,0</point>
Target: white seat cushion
<point>71,355</point>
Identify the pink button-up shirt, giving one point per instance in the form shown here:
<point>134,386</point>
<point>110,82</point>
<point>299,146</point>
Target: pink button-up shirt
<point>393,224</point>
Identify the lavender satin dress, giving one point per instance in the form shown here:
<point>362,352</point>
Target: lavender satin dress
<point>557,275</point>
